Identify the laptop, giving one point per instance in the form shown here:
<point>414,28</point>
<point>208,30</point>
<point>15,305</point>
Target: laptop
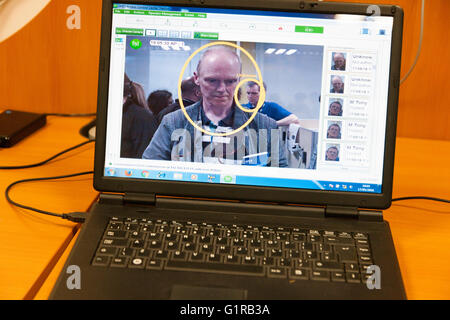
<point>268,179</point>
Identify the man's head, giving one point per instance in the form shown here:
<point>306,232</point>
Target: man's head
<point>339,61</point>
<point>253,92</point>
<point>332,154</point>
<point>190,90</point>
<point>335,109</point>
<point>338,84</point>
<point>334,131</point>
<point>217,76</point>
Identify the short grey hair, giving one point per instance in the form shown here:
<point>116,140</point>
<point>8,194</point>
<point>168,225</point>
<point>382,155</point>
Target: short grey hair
<point>212,49</point>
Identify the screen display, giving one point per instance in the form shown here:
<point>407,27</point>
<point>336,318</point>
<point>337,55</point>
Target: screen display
<point>247,97</point>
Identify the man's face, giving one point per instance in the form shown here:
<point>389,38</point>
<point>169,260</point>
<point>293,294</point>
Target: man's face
<point>218,77</point>
<point>338,85</point>
<point>253,94</point>
<point>339,61</point>
<point>335,109</point>
<point>332,154</point>
<point>334,132</point>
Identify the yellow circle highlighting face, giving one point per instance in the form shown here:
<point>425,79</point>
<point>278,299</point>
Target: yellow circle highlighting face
<point>260,83</point>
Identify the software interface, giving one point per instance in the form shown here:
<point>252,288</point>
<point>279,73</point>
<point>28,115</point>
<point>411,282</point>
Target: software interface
<point>277,99</point>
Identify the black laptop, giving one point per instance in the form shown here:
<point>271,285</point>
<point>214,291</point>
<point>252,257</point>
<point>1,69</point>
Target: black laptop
<point>267,177</point>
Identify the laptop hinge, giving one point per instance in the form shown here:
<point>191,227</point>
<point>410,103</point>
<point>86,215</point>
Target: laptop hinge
<point>146,199</point>
<point>128,198</point>
<point>353,213</point>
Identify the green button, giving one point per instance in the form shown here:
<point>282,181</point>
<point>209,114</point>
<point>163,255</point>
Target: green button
<point>130,31</point>
<point>206,35</point>
<point>308,29</point>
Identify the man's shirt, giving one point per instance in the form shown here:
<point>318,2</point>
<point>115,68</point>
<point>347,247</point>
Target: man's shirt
<point>177,140</point>
<point>271,109</point>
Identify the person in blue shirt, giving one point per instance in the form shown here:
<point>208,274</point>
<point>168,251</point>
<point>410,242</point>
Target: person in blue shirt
<point>271,109</point>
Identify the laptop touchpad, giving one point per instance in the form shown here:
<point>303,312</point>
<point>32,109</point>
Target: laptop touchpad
<point>180,292</point>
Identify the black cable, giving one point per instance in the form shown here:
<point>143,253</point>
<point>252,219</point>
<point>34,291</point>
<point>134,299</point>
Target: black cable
<point>421,198</point>
<point>68,115</point>
<point>46,161</point>
<point>73,216</point>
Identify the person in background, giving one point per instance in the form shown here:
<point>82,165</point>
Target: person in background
<point>190,93</point>
<point>159,100</point>
<point>138,122</point>
<point>271,109</point>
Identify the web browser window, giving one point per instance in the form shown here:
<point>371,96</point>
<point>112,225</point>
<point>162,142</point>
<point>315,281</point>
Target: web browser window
<point>304,97</point>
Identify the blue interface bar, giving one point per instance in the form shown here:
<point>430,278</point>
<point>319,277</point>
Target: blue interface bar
<point>242,180</point>
<point>224,11</point>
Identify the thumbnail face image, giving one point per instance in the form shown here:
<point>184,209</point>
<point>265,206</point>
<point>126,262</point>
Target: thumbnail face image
<point>332,153</point>
<point>337,84</point>
<point>154,127</point>
<point>338,61</point>
<point>334,130</point>
<point>336,108</point>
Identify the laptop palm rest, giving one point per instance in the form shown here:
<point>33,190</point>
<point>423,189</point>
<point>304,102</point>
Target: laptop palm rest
<point>183,292</point>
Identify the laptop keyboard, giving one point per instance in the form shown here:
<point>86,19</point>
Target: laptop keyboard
<point>261,251</point>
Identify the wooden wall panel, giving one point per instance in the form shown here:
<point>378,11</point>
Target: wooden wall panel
<point>46,67</point>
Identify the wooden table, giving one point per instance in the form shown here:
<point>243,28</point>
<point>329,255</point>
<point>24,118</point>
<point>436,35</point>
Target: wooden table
<point>30,243</point>
<point>420,228</point>
<point>34,248</point>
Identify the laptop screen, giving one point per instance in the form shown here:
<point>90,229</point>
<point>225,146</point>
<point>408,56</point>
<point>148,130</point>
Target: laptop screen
<point>248,97</point>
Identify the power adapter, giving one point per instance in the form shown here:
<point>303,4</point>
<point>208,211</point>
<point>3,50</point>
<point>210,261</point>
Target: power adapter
<point>17,125</point>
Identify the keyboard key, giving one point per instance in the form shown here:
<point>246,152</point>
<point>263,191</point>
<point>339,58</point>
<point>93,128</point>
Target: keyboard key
<point>137,263</point>
<point>360,235</point>
<point>339,240</point>
<point>206,248</point>
<point>299,274</point>
<point>347,254</point>
<point>365,259</point>
<point>320,275</point>
<point>337,276</point>
<point>119,262</point>
<point>179,255</point>
<point>276,272</point>
<point>249,260</point>
<point>154,244</point>
<point>328,266</point>
<point>116,234</point>
<point>138,244</point>
<point>107,251</point>
<point>115,242</point>
<point>284,262</point>
<point>154,264</point>
<point>196,256</point>
<point>137,235</point>
<point>143,253</point>
<point>189,246</point>
<point>235,269</point>
<point>215,258</point>
<point>233,259</point>
<point>353,277</point>
<point>101,261</point>
<point>349,267</point>
<point>302,264</point>
<point>126,252</point>
<point>161,254</point>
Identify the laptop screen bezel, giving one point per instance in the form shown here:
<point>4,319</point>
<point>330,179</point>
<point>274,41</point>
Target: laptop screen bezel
<point>242,192</point>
